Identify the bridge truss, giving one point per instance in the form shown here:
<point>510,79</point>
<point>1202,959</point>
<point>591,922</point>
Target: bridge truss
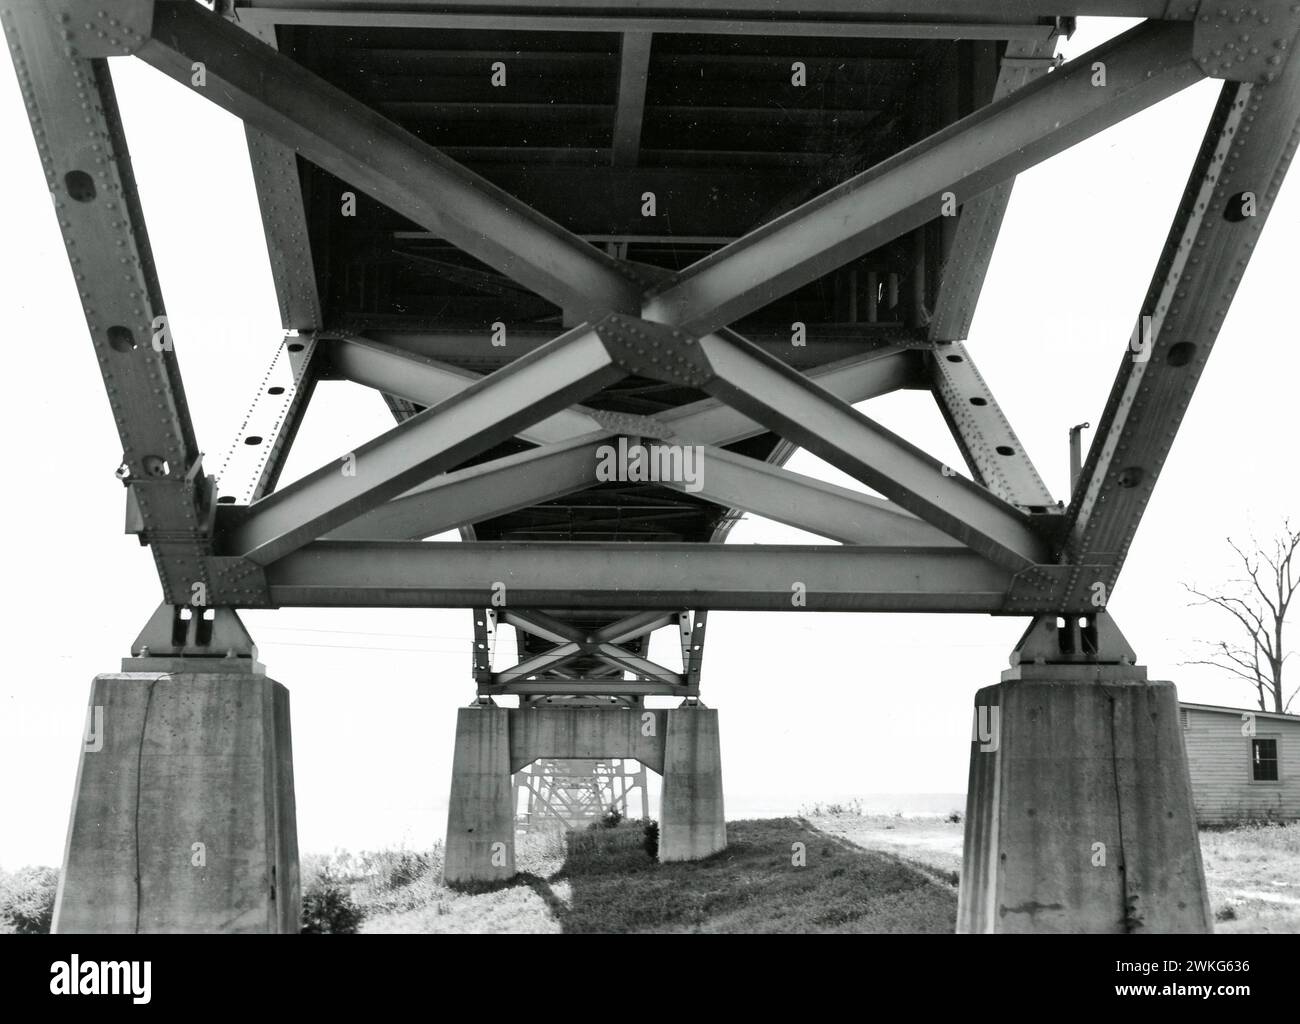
<point>539,228</point>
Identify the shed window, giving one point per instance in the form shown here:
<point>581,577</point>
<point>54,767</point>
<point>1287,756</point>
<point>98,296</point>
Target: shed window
<point>1263,760</point>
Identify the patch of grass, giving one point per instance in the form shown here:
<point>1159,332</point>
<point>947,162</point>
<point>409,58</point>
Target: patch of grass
<point>1253,875</point>
<point>602,881</point>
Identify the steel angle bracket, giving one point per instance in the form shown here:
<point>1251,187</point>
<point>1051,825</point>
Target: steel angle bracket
<point>1245,42</point>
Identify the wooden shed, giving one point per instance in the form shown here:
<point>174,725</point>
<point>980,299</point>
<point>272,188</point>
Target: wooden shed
<point>1244,763</point>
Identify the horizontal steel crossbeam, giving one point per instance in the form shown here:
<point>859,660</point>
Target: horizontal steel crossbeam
<point>648,576</point>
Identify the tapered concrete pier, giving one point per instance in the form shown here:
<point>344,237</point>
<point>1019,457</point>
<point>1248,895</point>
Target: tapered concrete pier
<point>183,816</point>
<point>1079,812</point>
<point>692,822</point>
<point>480,819</point>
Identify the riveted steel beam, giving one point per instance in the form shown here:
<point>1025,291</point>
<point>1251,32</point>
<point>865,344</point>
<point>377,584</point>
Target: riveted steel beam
<point>278,96</point>
<point>990,447</point>
<point>629,111</point>
<point>69,97</point>
<point>284,218</point>
<point>470,346</point>
<point>989,11</point>
<point>836,513</point>
<point>643,668</point>
<point>797,409</point>
<point>692,632</point>
<point>667,576</point>
<point>633,627</point>
<point>427,382</point>
<point>855,379</point>
<point>1252,138</point>
<point>540,624</point>
<point>257,454</point>
<point>1144,65</point>
<point>784,21</point>
<point>480,492</point>
<point>538,663</point>
<point>572,367</point>
<point>962,276</point>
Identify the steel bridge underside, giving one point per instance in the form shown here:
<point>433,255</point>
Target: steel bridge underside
<point>538,228</point>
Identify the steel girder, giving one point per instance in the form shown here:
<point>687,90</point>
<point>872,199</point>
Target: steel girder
<point>918,19</point>
<point>284,221</point>
<point>638,576</point>
<point>994,453</point>
<point>427,382</point>
<point>971,250</point>
<point>1252,138</point>
<point>70,102</point>
<point>633,73</point>
<point>825,345</point>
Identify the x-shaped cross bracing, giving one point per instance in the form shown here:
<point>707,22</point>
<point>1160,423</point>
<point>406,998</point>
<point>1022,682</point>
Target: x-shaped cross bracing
<point>997,535</point>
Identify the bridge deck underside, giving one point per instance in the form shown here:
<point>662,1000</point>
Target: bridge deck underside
<point>726,142</point>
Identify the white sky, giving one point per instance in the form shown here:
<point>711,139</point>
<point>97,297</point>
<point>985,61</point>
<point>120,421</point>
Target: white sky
<point>813,706</point>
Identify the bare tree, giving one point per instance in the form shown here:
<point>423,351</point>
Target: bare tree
<point>1258,601</point>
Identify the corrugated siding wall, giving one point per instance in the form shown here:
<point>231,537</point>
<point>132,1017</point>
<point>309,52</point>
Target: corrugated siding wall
<point>1218,756</point>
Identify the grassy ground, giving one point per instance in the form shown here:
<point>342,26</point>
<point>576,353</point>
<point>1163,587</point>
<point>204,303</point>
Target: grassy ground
<point>762,882</point>
<point>859,874</point>
<point>1253,874</point>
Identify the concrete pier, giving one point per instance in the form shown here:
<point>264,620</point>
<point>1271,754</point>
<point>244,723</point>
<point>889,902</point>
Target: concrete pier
<point>480,816</point>
<point>492,742</point>
<point>1079,812</point>
<point>183,815</point>
<point>692,822</point>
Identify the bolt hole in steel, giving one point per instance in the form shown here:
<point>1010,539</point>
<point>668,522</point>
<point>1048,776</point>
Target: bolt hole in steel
<point>80,186</point>
<point>954,359</point>
<point>154,465</point>
<point>226,499</point>
<point>275,391</point>
<point>1180,354</point>
<point>296,346</point>
<point>1131,477</point>
<point>121,339</point>
<point>253,439</point>
<point>979,401</point>
<point>1234,211</point>
<point>1005,449</point>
